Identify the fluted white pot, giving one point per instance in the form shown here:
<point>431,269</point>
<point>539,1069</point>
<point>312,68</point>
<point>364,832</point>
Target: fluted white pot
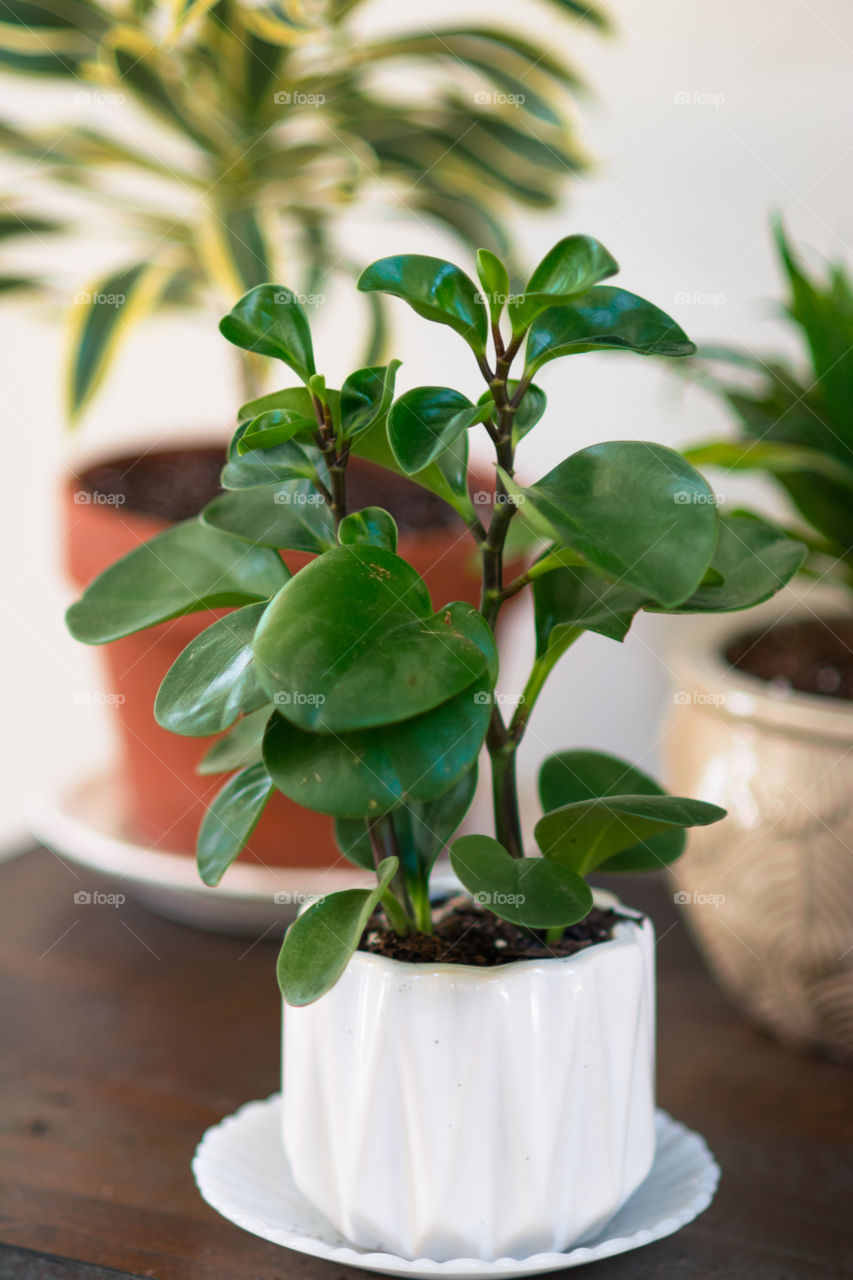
<point>446,1111</point>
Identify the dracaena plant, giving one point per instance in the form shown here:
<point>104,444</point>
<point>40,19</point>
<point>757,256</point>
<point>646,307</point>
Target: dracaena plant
<point>274,119</point>
<point>350,690</point>
<point>795,421</point>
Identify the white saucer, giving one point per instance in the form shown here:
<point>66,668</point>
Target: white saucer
<point>85,825</point>
<point>241,1171</point>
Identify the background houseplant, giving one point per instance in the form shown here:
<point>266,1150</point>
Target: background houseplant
<point>344,688</point>
<point>270,123</point>
<point>771,733</point>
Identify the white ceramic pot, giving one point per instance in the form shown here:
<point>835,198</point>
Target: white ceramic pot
<point>768,891</point>
<point>444,1111</point>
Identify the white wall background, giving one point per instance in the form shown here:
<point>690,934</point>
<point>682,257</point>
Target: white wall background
<point>709,117</point>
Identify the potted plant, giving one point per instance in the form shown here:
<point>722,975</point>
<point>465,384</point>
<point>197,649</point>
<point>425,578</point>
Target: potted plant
<point>520,1014</point>
<point>764,723</point>
<point>272,123</point>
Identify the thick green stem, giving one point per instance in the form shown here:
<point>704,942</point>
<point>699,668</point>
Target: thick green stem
<point>398,917</point>
<point>553,936</point>
<point>539,673</point>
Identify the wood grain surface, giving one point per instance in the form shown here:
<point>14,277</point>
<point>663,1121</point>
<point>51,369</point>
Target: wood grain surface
<point>125,1036</point>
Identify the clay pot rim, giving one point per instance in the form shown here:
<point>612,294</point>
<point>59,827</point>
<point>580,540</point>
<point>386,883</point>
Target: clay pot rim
<point>700,666</point>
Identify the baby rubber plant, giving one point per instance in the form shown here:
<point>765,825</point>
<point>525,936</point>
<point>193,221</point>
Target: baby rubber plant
<point>344,686</point>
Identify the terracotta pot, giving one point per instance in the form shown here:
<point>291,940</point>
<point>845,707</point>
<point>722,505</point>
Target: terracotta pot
<point>767,891</point>
<point>166,797</point>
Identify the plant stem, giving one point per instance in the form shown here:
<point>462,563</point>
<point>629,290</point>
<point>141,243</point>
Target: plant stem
<point>539,673</point>
<point>398,918</point>
<point>553,935</point>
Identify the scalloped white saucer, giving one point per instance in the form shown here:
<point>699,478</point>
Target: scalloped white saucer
<point>241,1171</point>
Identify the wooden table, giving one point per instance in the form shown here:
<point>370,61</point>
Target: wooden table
<point>124,1036</point>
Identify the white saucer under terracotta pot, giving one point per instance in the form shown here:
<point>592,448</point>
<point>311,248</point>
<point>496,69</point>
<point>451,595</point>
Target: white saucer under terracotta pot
<point>768,891</point>
<point>442,1111</point>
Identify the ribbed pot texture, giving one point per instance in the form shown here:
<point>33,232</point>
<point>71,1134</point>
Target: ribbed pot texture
<point>445,1111</point>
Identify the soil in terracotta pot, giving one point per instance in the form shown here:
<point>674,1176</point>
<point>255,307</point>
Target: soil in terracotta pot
<point>175,484</point>
<point>814,656</point>
<point>466,933</point>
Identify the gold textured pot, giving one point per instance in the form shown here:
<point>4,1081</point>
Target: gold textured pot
<point>768,892</point>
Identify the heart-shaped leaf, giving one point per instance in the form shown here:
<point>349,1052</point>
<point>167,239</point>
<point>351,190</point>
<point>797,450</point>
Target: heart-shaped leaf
<point>604,318</point>
<point>186,568</point>
<point>366,397</point>
<point>239,747</point>
<point>424,421</point>
<point>319,944</point>
<point>290,515</point>
<point>372,527</point>
<point>571,268</point>
<point>571,776</point>
<point>435,289</point>
<point>753,560</point>
<point>371,771</point>
<point>230,819</point>
<point>587,833</point>
<point>532,892</point>
<point>635,511</point>
<point>213,680</point>
<point>355,645</point>
<point>270,321</point>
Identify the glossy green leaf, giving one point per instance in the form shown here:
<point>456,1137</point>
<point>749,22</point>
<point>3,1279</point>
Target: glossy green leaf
<point>572,776</point>
<point>230,820</point>
<point>447,476</point>
<point>186,568</point>
<point>293,461</point>
<point>319,944</point>
<point>290,515</point>
<point>424,421</point>
<point>435,289</point>
<point>493,276</point>
<point>635,511</point>
<point>239,747</point>
<point>270,321</point>
<point>753,559</point>
<point>213,680</point>
<point>587,833</point>
<point>372,771</point>
<point>354,646</point>
<point>604,318</point>
<point>571,268</point>
<point>372,526</point>
<point>274,427</point>
<point>366,397</point>
<point>295,401</point>
<point>577,597</point>
<point>532,892</point>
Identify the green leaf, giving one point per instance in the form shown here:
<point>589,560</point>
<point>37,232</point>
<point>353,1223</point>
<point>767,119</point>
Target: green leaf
<point>319,944</point>
<point>572,776</point>
<point>213,680</point>
<point>493,276</point>
<point>571,268</point>
<point>372,526</point>
<point>272,428</point>
<point>230,819</point>
<point>754,561</point>
<point>569,598</point>
<point>447,476</point>
<point>424,421</point>
<point>435,289</point>
<point>587,833</point>
<point>239,747</point>
<point>604,318</point>
<point>290,515</point>
<point>295,401</point>
<point>532,892</point>
<point>353,645</point>
<point>366,397</point>
<point>371,771</point>
<point>187,568</point>
<point>292,461</point>
<point>270,321</point>
<point>635,511</point>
